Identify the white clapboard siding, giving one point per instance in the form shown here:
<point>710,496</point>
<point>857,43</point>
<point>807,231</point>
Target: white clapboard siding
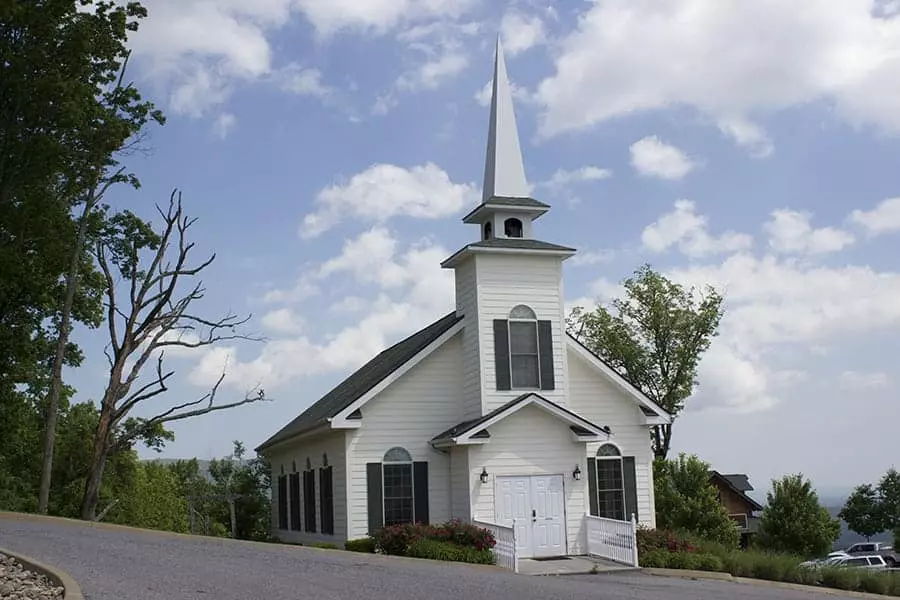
<point>531,442</point>
<point>409,413</point>
<point>505,281</point>
<point>593,396</point>
<point>467,306</point>
<point>332,444</point>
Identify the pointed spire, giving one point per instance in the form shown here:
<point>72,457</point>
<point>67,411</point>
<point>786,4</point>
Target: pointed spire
<point>504,172</point>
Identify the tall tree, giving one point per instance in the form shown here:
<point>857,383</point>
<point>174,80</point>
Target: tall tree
<point>794,521</point>
<point>863,511</point>
<point>654,337</point>
<point>149,313</point>
<point>64,113</point>
<point>113,121</point>
<point>687,500</point>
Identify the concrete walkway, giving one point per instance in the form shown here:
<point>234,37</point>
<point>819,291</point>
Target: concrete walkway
<point>569,565</point>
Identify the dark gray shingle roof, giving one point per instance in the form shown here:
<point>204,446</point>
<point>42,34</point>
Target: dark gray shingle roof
<point>519,244</point>
<point>501,201</point>
<point>364,379</point>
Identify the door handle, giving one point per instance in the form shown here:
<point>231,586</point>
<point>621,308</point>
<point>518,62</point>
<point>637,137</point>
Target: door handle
<point>533,515</point>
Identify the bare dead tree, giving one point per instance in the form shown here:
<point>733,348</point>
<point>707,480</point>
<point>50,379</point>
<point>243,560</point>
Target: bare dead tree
<point>153,314</point>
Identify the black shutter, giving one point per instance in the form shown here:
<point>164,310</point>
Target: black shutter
<point>630,478</point>
<point>545,354</point>
<point>420,492</point>
<point>282,502</point>
<point>309,497</point>
<point>326,500</point>
<point>501,354</point>
<point>375,497</point>
<point>593,500</point>
<point>294,479</point>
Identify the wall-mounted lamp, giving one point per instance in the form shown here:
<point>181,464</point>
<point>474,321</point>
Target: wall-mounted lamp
<point>484,475</point>
<point>577,473</point>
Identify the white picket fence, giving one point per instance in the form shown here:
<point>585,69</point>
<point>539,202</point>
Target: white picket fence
<point>505,551</point>
<point>613,540</point>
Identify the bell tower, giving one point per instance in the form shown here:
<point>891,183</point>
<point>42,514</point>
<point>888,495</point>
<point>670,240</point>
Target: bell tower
<point>508,283</point>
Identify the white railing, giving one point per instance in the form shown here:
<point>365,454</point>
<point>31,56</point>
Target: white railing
<point>613,540</point>
<point>506,551</point>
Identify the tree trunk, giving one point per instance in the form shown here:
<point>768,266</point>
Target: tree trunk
<point>51,413</point>
<point>98,462</point>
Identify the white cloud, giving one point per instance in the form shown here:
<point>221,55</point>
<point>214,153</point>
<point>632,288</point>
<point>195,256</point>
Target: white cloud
<point>383,191</point>
<point>521,32</point>
<point>223,125</point>
<point>652,157</point>
<point>855,381</point>
<point>591,257</point>
<point>302,81</point>
<point>726,58</point>
<point>884,218</point>
<point>197,52</point>
<point>283,320</point>
<point>790,232</point>
<point>432,73</point>
<point>562,178</point>
<point>688,231</point>
<point>408,290</point>
<point>442,45</point>
<point>748,135</point>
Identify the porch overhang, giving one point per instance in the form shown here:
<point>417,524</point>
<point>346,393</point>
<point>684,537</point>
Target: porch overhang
<point>475,431</point>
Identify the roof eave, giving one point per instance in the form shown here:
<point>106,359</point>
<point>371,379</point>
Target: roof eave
<point>476,216</point>
<point>460,255</point>
<point>272,442</point>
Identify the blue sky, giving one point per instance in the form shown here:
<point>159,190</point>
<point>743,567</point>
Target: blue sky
<point>330,149</point>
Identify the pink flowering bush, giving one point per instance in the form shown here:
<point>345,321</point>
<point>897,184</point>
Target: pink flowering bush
<point>397,539</point>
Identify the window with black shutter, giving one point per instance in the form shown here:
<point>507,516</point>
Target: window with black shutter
<point>326,500</point>
<point>294,479</point>
<point>309,504</point>
<point>612,484</point>
<point>523,351</point>
<point>282,502</point>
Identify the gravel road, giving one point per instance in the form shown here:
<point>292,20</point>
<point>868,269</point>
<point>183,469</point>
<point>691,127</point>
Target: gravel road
<point>115,563</point>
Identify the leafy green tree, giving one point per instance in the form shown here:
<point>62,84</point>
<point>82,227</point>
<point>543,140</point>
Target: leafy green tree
<point>863,511</point>
<point>889,495</point>
<point>794,521</point>
<point>687,500</point>
<point>249,481</point>
<point>654,337</point>
<point>153,500</point>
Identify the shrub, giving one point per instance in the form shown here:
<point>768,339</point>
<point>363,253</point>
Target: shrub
<point>683,560</point>
<point>654,559</point>
<point>840,578</point>
<point>448,551</point>
<point>661,539</point>
<point>395,539</point>
<point>366,545</point>
<point>875,582</point>
<point>709,562</point>
<point>462,534</point>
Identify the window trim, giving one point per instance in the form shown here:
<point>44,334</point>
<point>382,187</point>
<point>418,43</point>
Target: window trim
<point>510,319</point>
<point>618,457</point>
<point>412,482</point>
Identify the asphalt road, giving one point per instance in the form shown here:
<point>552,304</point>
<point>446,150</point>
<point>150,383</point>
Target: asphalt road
<point>113,563</point>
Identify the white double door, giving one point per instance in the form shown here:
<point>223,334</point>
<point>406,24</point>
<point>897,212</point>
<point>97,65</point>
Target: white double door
<point>538,505</point>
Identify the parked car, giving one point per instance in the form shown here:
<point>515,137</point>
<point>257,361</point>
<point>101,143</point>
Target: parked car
<point>886,551</point>
<point>871,561</point>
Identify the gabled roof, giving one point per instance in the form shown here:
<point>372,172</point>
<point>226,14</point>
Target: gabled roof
<point>364,379</point>
<point>473,427</point>
<point>509,244</point>
<point>739,484</point>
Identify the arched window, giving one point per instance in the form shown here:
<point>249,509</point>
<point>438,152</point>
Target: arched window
<point>512,227</point>
<point>523,348</point>
<point>610,483</point>
<point>398,486</point>
<point>488,230</point>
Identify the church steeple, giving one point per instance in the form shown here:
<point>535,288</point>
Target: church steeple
<point>504,172</point>
<point>506,210</point>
